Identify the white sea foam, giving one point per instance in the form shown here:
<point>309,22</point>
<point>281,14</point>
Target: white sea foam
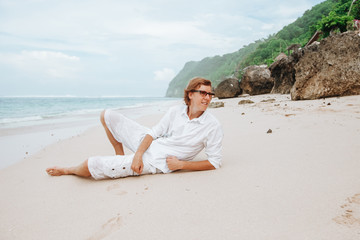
<point>17,120</point>
<point>77,96</point>
<point>40,96</point>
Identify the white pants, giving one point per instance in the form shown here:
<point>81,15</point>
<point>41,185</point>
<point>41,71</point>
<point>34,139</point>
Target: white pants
<point>130,134</point>
<point>102,167</point>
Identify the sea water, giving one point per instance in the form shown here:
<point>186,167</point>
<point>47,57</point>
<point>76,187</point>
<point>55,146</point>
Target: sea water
<point>28,124</point>
<point>22,111</point>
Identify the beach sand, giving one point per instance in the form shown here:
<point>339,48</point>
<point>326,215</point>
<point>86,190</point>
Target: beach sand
<point>301,181</point>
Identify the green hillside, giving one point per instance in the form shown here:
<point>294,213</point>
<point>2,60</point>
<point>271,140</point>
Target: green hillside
<point>213,68</point>
<point>326,16</point>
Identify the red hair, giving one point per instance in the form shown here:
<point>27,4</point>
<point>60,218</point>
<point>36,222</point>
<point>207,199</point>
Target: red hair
<point>194,84</point>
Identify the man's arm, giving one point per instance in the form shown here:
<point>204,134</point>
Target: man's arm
<point>137,163</point>
<point>175,164</point>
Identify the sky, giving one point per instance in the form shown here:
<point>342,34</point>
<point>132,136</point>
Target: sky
<point>124,48</point>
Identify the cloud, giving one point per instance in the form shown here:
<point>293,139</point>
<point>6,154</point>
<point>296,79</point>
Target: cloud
<point>288,11</point>
<point>267,26</point>
<point>96,42</point>
<point>43,63</point>
<point>48,56</point>
<point>164,75</point>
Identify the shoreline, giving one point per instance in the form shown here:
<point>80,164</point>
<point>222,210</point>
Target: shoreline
<point>41,118</point>
<point>21,142</point>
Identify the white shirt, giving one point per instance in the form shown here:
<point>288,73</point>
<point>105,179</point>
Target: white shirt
<point>177,135</point>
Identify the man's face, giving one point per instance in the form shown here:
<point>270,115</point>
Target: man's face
<point>199,102</point>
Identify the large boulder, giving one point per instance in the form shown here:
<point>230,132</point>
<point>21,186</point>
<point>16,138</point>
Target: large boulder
<point>228,88</point>
<point>330,69</point>
<point>283,72</point>
<point>256,80</point>
<point>280,56</point>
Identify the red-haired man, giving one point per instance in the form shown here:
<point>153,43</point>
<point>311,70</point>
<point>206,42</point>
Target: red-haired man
<point>180,135</point>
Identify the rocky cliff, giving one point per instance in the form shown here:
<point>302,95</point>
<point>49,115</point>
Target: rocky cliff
<point>331,68</point>
<point>326,69</point>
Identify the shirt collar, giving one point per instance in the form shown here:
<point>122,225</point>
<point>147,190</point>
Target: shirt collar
<point>200,119</point>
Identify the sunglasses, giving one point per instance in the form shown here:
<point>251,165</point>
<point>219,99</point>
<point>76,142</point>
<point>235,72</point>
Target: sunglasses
<point>204,93</point>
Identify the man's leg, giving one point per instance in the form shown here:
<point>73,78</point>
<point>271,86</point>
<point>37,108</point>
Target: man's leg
<point>118,147</point>
<point>82,170</point>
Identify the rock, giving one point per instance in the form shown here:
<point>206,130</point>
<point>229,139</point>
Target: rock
<point>269,131</point>
<point>293,47</point>
<point>228,88</point>
<point>271,100</point>
<point>283,73</point>
<point>256,80</point>
<point>245,102</point>
<point>330,69</point>
<point>283,70</point>
<point>216,104</point>
<point>280,56</point>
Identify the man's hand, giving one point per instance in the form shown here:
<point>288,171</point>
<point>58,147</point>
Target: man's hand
<point>137,163</point>
<point>174,163</point>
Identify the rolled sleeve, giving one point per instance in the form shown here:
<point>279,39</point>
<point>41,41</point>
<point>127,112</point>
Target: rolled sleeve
<point>162,127</point>
<point>213,146</point>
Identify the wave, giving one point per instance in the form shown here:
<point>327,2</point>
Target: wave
<point>40,96</point>
<point>23,119</point>
<point>74,112</point>
<point>74,96</point>
<point>34,111</point>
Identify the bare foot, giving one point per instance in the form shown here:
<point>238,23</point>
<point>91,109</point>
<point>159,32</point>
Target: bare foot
<point>55,171</point>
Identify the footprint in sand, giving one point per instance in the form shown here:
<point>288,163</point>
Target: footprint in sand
<point>351,212</point>
<point>115,188</point>
<point>110,226</point>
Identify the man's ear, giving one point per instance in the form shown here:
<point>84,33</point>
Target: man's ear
<point>190,95</point>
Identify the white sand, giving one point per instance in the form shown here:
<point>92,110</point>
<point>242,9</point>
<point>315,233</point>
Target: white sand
<point>301,182</point>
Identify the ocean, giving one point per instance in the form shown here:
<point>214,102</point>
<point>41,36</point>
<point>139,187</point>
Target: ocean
<point>23,111</point>
<point>28,124</point>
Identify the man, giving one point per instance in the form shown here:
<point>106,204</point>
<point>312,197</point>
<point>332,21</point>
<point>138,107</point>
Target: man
<point>179,136</point>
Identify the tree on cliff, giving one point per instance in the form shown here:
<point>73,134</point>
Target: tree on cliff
<point>340,18</point>
<point>334,22</point>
